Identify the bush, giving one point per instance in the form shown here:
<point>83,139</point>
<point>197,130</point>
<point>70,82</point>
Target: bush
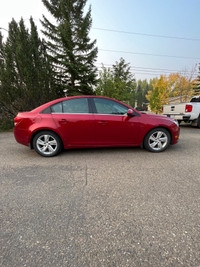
<point>6,124</point>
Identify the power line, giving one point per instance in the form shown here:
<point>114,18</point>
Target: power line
<point>147,54</point>
<point>151,73</point>
<point>149,35</point>
<point>154,69</point>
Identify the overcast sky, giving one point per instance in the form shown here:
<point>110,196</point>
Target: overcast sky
<point>173,18</point>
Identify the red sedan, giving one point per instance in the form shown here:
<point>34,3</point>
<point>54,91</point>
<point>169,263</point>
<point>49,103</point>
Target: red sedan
<point>92,121</point>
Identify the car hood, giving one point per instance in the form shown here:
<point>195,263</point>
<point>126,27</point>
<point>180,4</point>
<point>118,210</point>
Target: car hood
<point>156,116</point>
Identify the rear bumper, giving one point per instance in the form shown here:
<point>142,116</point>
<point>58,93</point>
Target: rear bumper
<point>179,117</point>
<point>21,136</point>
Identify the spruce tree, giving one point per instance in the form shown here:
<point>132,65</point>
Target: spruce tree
<point>118,82</point>
<point>139,97</point>
<point>72,51</point>
<point>26,76</point>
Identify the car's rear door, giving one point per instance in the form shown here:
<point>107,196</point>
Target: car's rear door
<point>75,122</point>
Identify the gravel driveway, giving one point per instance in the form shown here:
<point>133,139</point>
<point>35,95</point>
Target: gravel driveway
<point>101,207</point>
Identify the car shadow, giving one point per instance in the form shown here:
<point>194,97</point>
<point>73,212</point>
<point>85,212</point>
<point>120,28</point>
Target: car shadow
<point>105,150</point>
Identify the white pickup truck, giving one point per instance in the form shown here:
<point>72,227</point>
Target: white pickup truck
<point>187,112</point>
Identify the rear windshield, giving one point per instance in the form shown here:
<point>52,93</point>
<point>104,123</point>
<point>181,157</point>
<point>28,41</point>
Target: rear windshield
<point>195,99</point>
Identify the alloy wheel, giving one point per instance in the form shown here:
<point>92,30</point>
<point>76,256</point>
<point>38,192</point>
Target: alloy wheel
<point>158,140</point>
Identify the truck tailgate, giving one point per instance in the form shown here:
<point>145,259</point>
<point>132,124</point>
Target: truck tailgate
<point>174,109</point>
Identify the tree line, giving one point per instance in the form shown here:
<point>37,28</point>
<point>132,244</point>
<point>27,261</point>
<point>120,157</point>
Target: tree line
<point>34,70</point>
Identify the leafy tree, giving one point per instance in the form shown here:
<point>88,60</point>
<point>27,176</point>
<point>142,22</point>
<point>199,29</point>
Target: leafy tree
<point>26,76</point>
<point>180,85</point>
<point>118,82</point>
<point>159,95</point>
<point>69,44</point>
<point>155,100</point>
<point>106,84</point>
<point>166,87</point>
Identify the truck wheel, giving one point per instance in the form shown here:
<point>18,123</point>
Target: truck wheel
<point>198,121</point>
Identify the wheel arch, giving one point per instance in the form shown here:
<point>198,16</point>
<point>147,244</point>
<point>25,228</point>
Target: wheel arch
<point>158,127</point>
<point>42,130</point>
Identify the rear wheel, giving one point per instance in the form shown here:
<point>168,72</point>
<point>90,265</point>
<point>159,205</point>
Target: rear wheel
<point>198,121</point>
<point>47,144</point>
<point>157,140</point>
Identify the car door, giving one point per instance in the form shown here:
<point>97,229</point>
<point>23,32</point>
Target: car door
<point>74,122</point>
<point>112,125</point>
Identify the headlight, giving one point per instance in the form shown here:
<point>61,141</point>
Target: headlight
<point>176,122</point>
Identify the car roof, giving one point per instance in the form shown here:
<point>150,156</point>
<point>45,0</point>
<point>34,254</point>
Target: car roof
<point>46,105</point>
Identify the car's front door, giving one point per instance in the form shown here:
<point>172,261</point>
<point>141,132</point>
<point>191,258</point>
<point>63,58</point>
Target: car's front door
<point>74,122</point>
<point>112,125</point>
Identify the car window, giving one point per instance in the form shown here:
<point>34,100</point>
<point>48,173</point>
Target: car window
<point>46,111</point>
<point>78,105</point>
<point>57,108</point>
<point>106,106</point>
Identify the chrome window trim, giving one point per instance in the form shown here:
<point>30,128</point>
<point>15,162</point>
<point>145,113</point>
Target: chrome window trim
<point>110,114</point>
<point>89,114</point>
<point>72,113</point>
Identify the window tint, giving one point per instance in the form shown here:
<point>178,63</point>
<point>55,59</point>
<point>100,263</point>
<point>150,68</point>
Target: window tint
<point>57,108</point>
<point>106,106</point>
<point>46,111</point>
<point>78,105</point>
<point>195,99</point>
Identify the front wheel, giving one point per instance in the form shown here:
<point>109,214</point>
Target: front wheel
<point>47,144</point>
<point>157,140</point>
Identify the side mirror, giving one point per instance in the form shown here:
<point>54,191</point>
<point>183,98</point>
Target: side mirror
<point>130,112</point>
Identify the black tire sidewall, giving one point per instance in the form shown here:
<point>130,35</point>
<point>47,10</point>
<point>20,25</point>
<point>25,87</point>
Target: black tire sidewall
<point>59,144</point>
<point>198,122</point>
<point>146,139</point>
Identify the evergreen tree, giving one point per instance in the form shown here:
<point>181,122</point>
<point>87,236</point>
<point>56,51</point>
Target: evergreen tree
<point>121,71</point>
<point>142,89</point>
<point>26,76</point>
<point>118,83</point>
<point>139,97</point>
<point>69,44</point>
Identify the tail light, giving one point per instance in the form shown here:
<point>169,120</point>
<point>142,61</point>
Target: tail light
<point>17,120</point>
<point>188,108</point>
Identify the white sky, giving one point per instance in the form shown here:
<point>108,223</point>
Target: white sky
<point>20,8</point>
<point>137,16</point>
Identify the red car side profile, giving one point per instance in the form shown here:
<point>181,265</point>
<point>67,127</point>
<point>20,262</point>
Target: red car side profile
<point>92,121</point>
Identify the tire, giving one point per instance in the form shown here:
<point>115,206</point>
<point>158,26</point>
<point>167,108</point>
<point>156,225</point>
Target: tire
<point>157,140</point>
<point>198,122</point>
<point>47,144</point>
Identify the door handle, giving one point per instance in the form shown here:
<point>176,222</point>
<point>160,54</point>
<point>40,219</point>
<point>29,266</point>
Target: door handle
<point>63,121</point>
<point>102,122</point>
